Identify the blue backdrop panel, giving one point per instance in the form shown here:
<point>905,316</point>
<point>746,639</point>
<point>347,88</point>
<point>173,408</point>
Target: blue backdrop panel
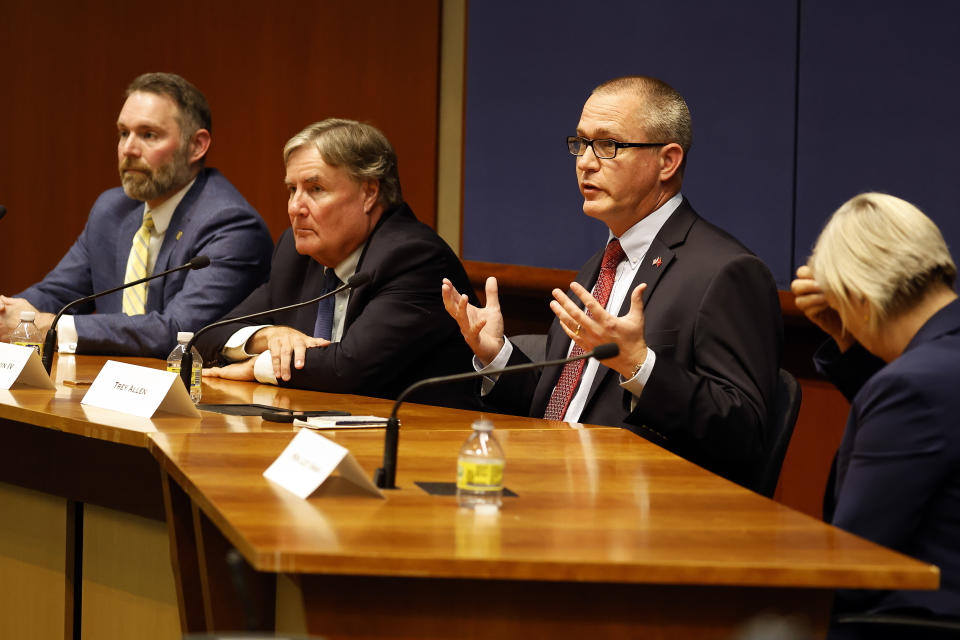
<point>878,109</point>
<point>531,66</point>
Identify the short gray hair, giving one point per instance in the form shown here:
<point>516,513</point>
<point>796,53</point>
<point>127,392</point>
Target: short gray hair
<point>358,148</point>
<point>665,115</point>
<point>884,250</point>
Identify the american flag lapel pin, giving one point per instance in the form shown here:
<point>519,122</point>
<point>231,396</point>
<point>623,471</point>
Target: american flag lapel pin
<point>657,262</point>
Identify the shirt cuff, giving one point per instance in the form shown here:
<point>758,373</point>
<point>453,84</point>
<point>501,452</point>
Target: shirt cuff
<point>263,368</point>
<point>67,335</point>
<point>236,347</point>
<point>636,384</point>
<point>499,362</point>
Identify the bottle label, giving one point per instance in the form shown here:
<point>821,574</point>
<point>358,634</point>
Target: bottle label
<point>479,476</point>
<point>194,379</point>
<point>36,346</point>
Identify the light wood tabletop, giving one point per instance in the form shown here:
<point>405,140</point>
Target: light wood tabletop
<point>592,505</point>
<point>56,448</point>
<point>62,409</point>
<point>605,525</point>
<point>608,535</point>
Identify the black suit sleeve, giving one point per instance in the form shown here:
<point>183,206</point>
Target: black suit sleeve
<point>512,392</point>
<point>716,407</point>
<point>211,343</point>
<point>848,371</point>
<point>396,330</point>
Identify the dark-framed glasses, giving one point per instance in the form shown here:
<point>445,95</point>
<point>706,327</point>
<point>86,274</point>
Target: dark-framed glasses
<point>603,148</point>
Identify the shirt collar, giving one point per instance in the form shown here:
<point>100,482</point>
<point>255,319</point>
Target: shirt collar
<point>638,238</point>
<point>164,213</point>
<point>349,265</point>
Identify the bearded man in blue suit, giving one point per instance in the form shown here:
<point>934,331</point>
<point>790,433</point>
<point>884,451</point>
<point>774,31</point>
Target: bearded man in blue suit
<point>176,209</point>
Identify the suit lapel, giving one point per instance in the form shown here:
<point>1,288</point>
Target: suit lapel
<point>372,254</point>
<point>178,221</point>
<point>652,268</point>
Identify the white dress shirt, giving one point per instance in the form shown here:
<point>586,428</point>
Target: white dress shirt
<point>67,328</point>
<point>635,242</point>
<point>235,348</point>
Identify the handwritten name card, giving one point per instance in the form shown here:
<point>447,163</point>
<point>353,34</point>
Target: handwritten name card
<point>309,460</point>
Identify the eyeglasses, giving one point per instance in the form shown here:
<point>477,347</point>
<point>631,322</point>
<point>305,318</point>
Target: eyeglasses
<point>604,149</point>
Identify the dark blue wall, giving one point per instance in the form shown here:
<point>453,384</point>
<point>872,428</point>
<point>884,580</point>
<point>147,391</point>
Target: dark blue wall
<point>779,139</point>
<point>879,109</point>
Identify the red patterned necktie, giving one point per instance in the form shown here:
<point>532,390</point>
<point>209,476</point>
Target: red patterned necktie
<point>563,392</point>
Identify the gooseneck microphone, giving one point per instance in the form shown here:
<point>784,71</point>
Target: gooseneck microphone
<point>385,476</point>
<point>186,364</point>
<point>50,342</point>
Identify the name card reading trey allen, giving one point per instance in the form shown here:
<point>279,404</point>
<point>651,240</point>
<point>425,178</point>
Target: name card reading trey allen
<point>120,386</point>
<point>139,391</point>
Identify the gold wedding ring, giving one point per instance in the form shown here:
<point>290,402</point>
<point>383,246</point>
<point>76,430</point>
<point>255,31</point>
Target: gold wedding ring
<point>577,332</point>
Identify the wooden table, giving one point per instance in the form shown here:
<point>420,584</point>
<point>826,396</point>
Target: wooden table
<point>610,536</point>
<point>83,534</point>
<point>91,475</point>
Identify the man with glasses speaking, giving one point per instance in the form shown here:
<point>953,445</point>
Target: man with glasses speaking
<point>696,315</point>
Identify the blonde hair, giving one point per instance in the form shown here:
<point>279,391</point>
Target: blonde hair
<point>358,148</point>
<point>883,250</point>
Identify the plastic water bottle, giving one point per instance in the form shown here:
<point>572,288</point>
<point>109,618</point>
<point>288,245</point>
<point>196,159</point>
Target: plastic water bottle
<point>480,468</point>
<point>27,334</point>
<point>176,356</point>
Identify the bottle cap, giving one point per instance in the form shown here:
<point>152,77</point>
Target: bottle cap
<point>28,316</point>
<point>183,337</point>
<point>482,425</point>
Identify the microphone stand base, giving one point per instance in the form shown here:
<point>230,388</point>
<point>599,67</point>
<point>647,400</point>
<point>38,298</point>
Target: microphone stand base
<point>380,479</point>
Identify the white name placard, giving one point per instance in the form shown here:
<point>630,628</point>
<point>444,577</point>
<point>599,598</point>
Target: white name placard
<point>309,459</point>
<point>139,391</point>
<point>20,366</point>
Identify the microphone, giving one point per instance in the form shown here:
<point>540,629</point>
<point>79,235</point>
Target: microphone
<point>186,364</point>
<point>385,476</point>
<point>3,211</point>
<point>49,343</point>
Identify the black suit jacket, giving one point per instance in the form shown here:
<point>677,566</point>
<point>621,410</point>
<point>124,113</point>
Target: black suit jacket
<point>396,330</point>
<point>712,315</point>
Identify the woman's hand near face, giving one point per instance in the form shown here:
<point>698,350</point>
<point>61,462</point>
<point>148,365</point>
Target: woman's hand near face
<point>811,300</point>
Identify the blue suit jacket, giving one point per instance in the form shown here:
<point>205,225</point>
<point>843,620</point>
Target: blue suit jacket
<point>897,473</point>
<point>213,219</point>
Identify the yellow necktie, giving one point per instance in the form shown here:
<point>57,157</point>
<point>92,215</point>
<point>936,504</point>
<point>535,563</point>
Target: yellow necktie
<point>135,298</point>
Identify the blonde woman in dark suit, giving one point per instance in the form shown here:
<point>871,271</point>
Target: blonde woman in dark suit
<point>880,282</point>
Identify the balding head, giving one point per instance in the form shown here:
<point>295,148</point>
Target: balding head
<point>664,113</point>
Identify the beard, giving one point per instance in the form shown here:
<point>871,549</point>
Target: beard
<point>155,183</point>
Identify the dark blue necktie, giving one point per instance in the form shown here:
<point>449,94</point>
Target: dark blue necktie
<point>324,326</point>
